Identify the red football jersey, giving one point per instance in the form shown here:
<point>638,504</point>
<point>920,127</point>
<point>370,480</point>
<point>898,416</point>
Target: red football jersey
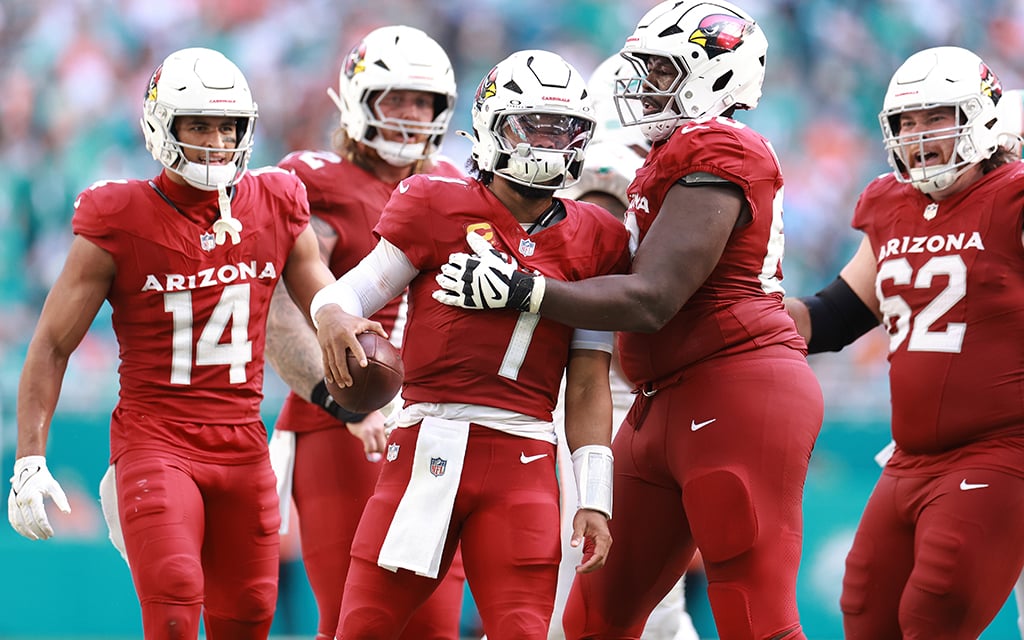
<point>349,199</point>
<point>189,315</point>
<point>951,287</point>
<point>739,307</point>
<point>502,359</point>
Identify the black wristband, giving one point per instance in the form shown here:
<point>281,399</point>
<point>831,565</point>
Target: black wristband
<point>321,397</point>
<point>520,289</point>
<point>838,317</point>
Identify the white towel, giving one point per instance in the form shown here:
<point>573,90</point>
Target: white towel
<point>416,537</point>
<point>282,461</point>
<point>882,457</point>
<point>108,505</point>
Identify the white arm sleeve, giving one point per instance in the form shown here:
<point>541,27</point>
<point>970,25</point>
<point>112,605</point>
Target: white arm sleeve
<point>378,278</point>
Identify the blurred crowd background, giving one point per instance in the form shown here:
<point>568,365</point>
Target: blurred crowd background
<point>73,74</point>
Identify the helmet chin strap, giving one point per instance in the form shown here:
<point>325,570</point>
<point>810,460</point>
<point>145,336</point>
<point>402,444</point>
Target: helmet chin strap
<point>226,225</point>
<point>400,154</point>
<point>209,177</point>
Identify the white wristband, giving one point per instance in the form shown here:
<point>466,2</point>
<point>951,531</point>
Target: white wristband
<point>537,295</point>
<point>339,293</point>
<point>594,467</point>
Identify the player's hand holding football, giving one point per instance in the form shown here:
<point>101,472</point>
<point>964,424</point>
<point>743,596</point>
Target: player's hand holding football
<point>337,331</point>
<point>30,484</point>
<point>488,279</point>
<point>590,528</point>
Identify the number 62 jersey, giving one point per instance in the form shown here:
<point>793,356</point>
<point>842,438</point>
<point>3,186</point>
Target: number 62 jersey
<point>951,289</point>
<point>189,314</point>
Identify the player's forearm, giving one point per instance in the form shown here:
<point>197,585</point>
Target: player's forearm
<point>38,391</point>
<point>607,303</point>
<point>588,419</point>
<point>588,415</point>
<point>292,348</point>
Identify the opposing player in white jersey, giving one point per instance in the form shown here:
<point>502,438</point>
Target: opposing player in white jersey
<point>612,162</point>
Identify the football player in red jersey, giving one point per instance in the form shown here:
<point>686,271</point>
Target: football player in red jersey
<point>938,547</point>
<point>396,96</point>
<point>188,262</point>
<point>472,460</point>
<point>714,452</point>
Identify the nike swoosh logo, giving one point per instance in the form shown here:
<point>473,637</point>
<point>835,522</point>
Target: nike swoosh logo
<point>694,425</point>
<point>964,486</point>
<point>525,459</point>
<point>402,187</point>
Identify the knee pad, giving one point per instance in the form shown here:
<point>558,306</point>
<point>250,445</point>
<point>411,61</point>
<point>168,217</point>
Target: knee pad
<point>174,579</point>
<point>518,623</point>
<point>253,602</point>
<point>368,623</point>
<point>721,514</point>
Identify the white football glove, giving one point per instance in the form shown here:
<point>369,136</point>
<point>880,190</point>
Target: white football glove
<point>488,279</point>
<point>30,484</point>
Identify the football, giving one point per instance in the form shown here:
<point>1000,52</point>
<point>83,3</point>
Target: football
<point>378,383</point>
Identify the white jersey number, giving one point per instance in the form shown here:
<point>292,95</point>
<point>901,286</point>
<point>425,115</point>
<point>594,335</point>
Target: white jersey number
<point>897,313</point>
<point>518,345</point>
<point>233,306</point>
<point>318,159</point>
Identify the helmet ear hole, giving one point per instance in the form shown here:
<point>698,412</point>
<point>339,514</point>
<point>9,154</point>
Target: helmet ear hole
<point>722,81</point>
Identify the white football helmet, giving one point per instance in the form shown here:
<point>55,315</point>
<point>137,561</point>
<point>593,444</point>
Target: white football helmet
<point>610,168</point>
<point>198,82</point>
<point>718,52</point>
<point>942,77</point>
<point>389,59</point>
<point>532,120</point>
<point>1011,119</point>
<point>602,90</point>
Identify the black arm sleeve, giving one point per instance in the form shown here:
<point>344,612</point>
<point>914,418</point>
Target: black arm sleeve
<point>321,397</point>
<point>838,317</point>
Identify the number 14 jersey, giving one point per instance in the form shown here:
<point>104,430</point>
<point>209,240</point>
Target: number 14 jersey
<point>189,314</point>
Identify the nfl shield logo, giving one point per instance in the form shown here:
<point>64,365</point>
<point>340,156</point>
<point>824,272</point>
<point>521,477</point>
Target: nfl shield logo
<point>437,466</point>
<point>206,241</point>
<point>392,452</point>
<point>526,247</point>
